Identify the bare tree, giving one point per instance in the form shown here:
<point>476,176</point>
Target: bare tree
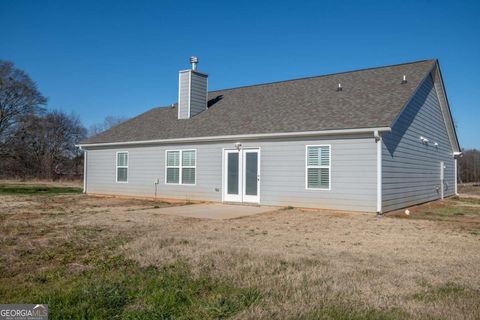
<point>469,166</point>
<point>109,122</point>
<point>43,146</point>
<point>18,97</point>
<point>33,142</point>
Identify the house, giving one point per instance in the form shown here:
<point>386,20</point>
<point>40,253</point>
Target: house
<point>370,140</point>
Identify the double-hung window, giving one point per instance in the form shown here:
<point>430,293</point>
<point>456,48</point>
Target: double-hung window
<point>318,171</point>
<point>181,166</point>
<point>122,166</point>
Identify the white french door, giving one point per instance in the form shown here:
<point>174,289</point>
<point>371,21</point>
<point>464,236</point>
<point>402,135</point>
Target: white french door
<point>241,175</point>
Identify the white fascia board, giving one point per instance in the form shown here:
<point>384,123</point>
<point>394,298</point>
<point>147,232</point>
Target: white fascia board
<point>446,111</point>
<point>241,137</point>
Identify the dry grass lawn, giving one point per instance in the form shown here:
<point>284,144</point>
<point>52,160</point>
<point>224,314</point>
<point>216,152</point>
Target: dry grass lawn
<point>469,189</point>
<point>303,264</point>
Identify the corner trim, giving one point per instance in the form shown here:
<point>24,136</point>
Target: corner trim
<point>85,171</point>
<point>189,93</point>
<point>378,141</point>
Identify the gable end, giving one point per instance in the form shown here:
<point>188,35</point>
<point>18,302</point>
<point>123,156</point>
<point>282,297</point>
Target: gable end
<point>436,77</point>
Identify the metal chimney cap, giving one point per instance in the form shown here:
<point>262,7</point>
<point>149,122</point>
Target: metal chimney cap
<point>193,62</point>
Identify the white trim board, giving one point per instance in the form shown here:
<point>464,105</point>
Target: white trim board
<point>240,137</point>
<point>85,159</point>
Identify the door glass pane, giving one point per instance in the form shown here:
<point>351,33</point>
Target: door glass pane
<point>251,167</point>
<point>232,176</point>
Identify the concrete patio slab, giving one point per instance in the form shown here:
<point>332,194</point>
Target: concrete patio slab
<point>218,211</point>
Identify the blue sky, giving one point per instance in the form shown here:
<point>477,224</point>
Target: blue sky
<point>100,58</point>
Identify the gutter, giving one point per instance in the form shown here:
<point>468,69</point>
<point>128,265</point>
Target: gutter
<point>239,137</point>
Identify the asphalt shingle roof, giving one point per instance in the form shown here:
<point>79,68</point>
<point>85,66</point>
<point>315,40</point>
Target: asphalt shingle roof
<point>369,98</point>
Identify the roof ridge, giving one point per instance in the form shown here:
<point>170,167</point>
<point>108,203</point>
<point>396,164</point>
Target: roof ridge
<point>324,75</point>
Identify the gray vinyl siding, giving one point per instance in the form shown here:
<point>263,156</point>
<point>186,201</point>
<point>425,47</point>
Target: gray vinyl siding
<point>198,93</point>
<point>282,165</point>
<point>410,169</point>
<point>183,94</point>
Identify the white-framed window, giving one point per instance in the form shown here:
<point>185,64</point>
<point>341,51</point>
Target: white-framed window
<point>181,167</point>
<point>122,166</point>
<point>318,167</point>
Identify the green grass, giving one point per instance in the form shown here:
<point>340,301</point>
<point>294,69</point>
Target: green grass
<point>474,201</point>
<point>36,190</point>
<point>451,211</point>
<point>110,286</point>
<point>345,311</point>
<point>124,290</point>
<point>448,290</point>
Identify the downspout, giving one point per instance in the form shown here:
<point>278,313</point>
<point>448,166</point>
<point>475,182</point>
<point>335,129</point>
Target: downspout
<point>456,177</point>
<point>456,155</point>
<point>378,141</point>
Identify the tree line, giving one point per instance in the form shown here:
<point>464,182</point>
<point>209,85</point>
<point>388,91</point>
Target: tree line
<point>40,143</point>
<point>469,166</point>
<point>36,142</point>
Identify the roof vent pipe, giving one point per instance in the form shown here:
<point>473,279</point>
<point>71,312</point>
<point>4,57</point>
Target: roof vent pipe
<point>193,62</point>
<point>404,79</point>
<point>339,88</point>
